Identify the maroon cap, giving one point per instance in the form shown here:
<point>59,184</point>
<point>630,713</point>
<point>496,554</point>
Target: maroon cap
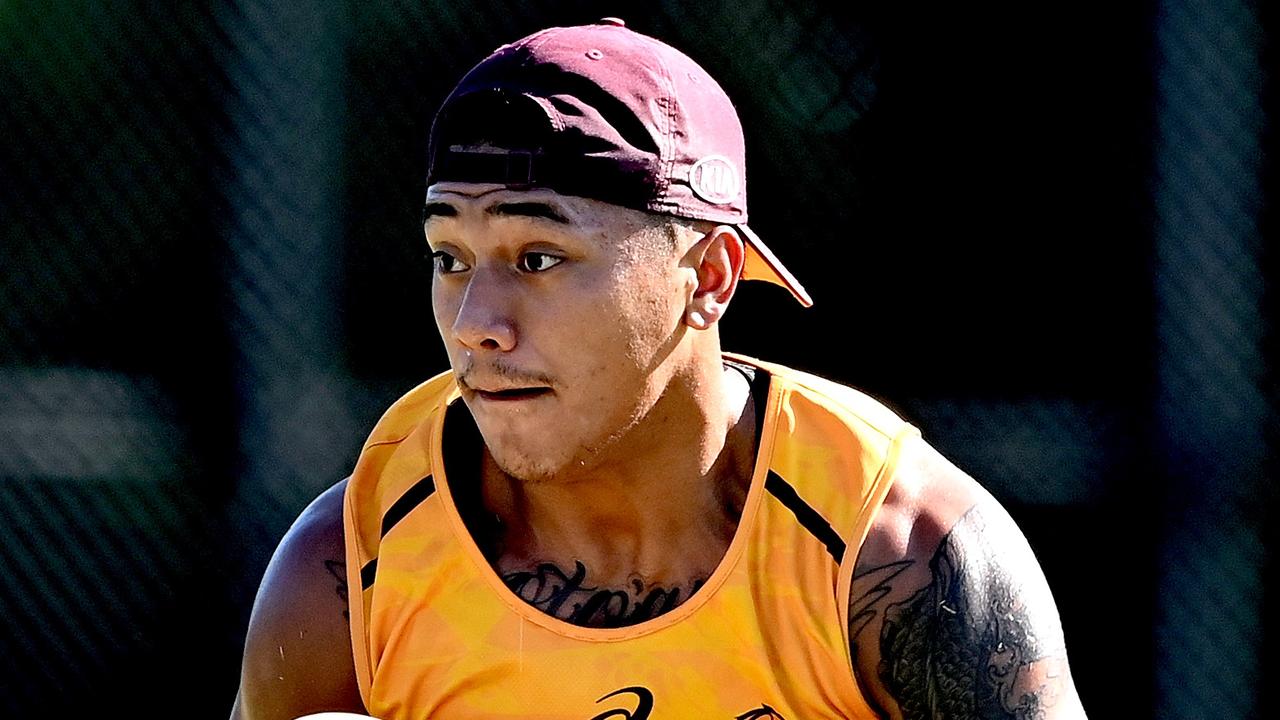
<point>603,112</point>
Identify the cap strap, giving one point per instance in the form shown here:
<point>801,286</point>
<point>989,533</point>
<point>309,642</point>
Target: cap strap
<point>514,168</point>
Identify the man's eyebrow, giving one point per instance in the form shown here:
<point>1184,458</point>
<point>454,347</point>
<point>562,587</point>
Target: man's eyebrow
<point>438,209</point>
<point>530,209</point>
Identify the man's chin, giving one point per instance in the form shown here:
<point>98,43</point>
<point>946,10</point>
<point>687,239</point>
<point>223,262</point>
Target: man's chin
<point>526,468</point>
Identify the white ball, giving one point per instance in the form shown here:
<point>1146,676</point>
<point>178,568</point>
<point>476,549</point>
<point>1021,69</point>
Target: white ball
<point>335,716</point>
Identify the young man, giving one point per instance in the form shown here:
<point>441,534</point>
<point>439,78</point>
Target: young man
<point>597,513</point>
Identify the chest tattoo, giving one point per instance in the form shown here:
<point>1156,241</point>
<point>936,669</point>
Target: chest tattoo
<point>569,597</point>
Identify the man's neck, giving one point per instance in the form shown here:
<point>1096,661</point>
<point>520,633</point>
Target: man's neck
<point>666,511</point>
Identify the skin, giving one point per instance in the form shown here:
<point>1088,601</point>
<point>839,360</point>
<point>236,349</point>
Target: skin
<point>609,324</point>
<point>297,656</point>
<point>584,338</point>
<point>950,615</point>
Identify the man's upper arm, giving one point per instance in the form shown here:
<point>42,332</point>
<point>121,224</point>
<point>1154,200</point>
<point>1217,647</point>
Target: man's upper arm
<point>297,656</point>
<point>950,614</point>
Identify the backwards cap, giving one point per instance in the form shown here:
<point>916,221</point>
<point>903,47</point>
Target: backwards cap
<point>603,112</point>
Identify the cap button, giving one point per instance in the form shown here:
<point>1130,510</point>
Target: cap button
<point>616,22</point>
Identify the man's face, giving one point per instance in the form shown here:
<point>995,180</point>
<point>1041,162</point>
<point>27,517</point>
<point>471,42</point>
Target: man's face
<point>559,315</point>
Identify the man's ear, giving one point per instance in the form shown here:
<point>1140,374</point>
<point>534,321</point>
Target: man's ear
<point>717,260</point>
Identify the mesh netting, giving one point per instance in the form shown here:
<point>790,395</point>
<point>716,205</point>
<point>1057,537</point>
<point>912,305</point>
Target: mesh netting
<point>1039,232</point>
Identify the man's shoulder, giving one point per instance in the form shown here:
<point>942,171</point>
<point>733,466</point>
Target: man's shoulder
<point>928,496</point>
<point>319,525</point>
<point>298,656</point>
<point>944,560</point>
<point>308,562</point>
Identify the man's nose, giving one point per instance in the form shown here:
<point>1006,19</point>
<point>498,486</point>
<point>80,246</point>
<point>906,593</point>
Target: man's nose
<point>485,317</point>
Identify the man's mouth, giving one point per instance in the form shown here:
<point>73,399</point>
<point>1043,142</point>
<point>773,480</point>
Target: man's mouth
<point>512,394</point>
<point>501,385</point>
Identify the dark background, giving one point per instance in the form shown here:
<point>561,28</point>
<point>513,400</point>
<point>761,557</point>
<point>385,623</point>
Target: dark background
<point>1040,231</point>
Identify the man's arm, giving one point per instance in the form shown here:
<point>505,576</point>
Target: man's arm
<point>950,615</point>
<point>297,655</point>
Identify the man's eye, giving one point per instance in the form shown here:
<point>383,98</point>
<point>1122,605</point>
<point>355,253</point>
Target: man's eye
<point>446,263</point>
<point>538,262</point>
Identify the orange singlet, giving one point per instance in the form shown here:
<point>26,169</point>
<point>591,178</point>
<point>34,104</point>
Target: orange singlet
<point>437,634</point>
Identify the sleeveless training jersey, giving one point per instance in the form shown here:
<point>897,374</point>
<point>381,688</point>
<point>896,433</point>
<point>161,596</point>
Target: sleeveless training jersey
<point>436,633</point>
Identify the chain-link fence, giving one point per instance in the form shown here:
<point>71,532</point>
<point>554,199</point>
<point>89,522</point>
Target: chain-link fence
<point>211,284</point>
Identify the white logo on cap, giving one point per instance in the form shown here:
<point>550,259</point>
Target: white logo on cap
<point>715,179</point>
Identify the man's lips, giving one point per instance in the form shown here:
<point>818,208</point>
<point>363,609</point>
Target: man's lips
<point>511,394</point>
<point>504,390</point>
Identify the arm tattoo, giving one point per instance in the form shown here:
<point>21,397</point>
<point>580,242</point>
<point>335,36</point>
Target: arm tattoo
<point>863,609</point>
<point>568,597</point>
<point>338,570</point>
<point>963,645</point>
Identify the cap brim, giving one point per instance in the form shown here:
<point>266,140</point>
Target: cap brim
<point>762,264</point>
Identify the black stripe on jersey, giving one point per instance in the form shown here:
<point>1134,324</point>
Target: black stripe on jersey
<point>808,517</point>
<point>412,498</point>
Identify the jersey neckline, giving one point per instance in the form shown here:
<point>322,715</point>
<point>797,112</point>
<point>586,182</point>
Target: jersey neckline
<point>765,431</point>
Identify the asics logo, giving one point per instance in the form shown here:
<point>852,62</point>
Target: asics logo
<point>643,706</point>
<point>637,704</point>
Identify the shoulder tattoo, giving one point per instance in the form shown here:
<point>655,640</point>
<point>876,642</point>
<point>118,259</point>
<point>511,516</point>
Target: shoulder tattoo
<point>975,641</point>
